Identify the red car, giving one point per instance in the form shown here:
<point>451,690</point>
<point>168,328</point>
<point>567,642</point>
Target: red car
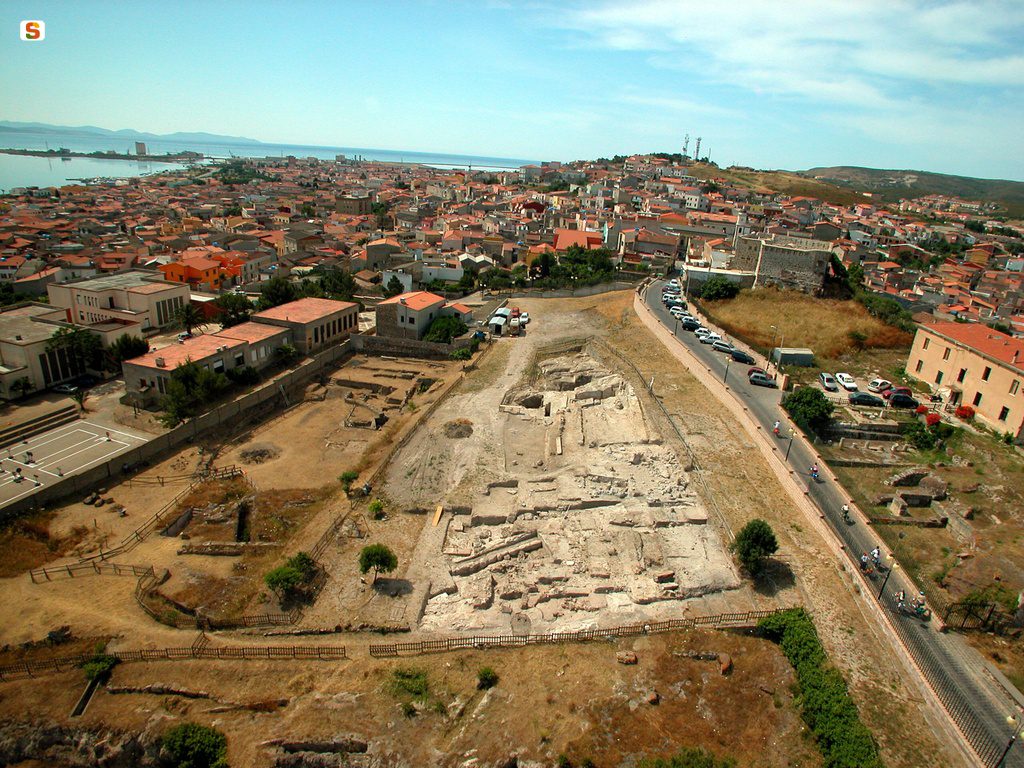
<point>897,390</point>
<point>515,311</point>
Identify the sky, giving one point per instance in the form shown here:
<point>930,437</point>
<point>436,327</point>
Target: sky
<point>907,84</point>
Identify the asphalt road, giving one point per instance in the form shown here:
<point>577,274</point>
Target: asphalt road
<point>954,670</point>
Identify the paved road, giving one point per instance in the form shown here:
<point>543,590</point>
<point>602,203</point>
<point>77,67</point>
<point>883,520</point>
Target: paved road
<point>954,670</point>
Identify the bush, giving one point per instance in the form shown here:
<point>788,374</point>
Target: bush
<point>690,757</point>
<point>918,435</point>
<point>444,329</point>
<point>379,558</point>
<point>828,710</point>
<point>754,545</point>
<point>932,419</point>
<point>409,681</point>
<point>964,412</point>
<point>921,409</point>
<point>245,377</point>
<point>486,678</point>
<point>100,666</point>
<point>377,509</point>
<point>347,478</point>
<point>809,408</point>
<point>461,354</point>
<point>283,580</point>
<point>717,288</point>
<point>195,746</point>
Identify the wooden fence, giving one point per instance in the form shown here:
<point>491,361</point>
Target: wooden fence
<point>93,568</point>
<point>443,645</point>
<point>198,650</point>
<point>161,516</point>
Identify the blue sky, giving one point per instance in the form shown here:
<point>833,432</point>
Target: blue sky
<point>890,84</point>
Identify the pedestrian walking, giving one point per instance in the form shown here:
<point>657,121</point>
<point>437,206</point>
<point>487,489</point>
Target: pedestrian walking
<point>876,556</point>
<point>864,561</point>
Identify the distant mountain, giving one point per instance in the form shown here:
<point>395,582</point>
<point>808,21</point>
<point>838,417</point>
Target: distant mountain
<point>9,126</point>
<point>893,185</point>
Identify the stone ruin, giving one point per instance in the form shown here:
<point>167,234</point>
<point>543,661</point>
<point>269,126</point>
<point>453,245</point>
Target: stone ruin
<point>593,513</point>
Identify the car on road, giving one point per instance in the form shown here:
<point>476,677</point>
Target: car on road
<point>709,338</point>
<point>700,331</point>
<point>741,357</point>
<point>828,381</point>
<point>888,394</point>
<point>863,398</point>
<point>690,323</point>
<point>722,346</point>
<point>676,311</point>
<point>761,380</point>
<point>899,400</point>
<point>847,382</point>
<point>755,369</point>
<point>66,389</point>
<point>879,385</point>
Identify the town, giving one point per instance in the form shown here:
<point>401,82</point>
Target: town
<point>268,410</point>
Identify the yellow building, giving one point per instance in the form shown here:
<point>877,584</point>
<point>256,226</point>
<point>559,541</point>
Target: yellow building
<point>976,366</point>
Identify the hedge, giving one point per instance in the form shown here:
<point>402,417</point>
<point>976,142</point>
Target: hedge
<point>825,703</point>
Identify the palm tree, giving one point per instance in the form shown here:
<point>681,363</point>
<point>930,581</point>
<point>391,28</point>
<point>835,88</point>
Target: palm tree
<point>188,317</point>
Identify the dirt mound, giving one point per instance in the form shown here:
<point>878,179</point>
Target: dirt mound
<point>259,453</point>
<point>458,428</point>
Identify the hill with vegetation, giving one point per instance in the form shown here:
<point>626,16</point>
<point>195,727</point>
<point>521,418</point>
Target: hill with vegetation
<point>893,185</point>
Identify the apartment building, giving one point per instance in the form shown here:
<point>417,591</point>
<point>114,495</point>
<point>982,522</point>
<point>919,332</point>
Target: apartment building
<point>976,366</point>
<point>139,300</point>
<point>24,334</point>
<point>315,323</point>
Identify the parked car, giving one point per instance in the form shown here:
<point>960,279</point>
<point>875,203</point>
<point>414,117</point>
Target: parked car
<point>515,312</point>
<point>524,318</point>
<point>863,398</point>
<point>847,382</point>
<point>828,381</point>
<point>741,357</point>
<point>184,336</point>
<point>899,400</point>
<point>897,391</point>
<point>761,380</point>
<point>676,311</point>
<point>66,389</point>
<point>722,346</point>
<point>700,331</point>
<point>690,323</point>
<point>879,385</point>
<point>709,338</point>
<point>755,369</point>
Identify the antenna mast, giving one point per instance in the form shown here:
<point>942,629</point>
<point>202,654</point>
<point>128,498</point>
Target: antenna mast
<point>686,146</point>
<point>696,152</point>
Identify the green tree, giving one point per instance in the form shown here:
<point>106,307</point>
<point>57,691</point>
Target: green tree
<point>21,387</point>
<point>100,666</point>
<point>308,210</point>
<point>336,283</point>
<point>235,308</point>
<point>379,558</point>
<point>394,287</point>
<point>443,329</point>
<point>858,339</point>
<point>717,288</point>
<point>189,390</point>
<point>276,291</point>
<point>809,408</point>
<point>79,396</point>
<point>233,210</point>
<point>82,348</point>
<point>754,544</point>
<point>467,282</point>
<point>283,580</point>
<point>188,317</point>
<point>126,347</point>
<point>380,210</point>
<point>855,278</point>
<point>195,746</point>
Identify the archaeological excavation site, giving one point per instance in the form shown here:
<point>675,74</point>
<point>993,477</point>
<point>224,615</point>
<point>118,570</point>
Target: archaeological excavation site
<point>583,511</point>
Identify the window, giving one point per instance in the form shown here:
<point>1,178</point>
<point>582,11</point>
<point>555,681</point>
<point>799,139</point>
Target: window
<point>927,342</point>
<point>938,377</point>
<point>1004,413</point>
<point>919,366</point>
<point>962,374</point>
<point>977,398</point>
<point>945,355</point>
<point>239,360</point>
<point>1014,387</point>
<point>987,373</point>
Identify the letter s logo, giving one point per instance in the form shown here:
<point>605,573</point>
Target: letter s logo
<point>33,30</point>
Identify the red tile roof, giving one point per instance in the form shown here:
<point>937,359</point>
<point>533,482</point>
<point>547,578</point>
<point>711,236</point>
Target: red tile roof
<point>251,332</point>
<point>994,344</point>
<point>415,300</point>
<point>196,348</point>
<point>304,310</point>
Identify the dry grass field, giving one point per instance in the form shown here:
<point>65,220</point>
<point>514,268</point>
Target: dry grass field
<point>823,325</point>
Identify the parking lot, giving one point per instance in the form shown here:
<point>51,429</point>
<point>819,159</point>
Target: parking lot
<point>65,450</point>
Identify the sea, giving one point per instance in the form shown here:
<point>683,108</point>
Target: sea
<point>23,171</point>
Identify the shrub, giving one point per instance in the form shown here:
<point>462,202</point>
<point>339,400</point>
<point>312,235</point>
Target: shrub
<point>918,435</point>
<point>932,419</point>
<point>809,408</point>
<point>461,354</point>
<point>304,564</point>
<point>379,558</point>
<point>964,412</point>
<point>921,409</point>
<point>347,478</point>
<point>195,746</point>
<point>717,288</point>
<point>283,580</point>
<point>100,666</point>
<point>377,509</point>
<point>754,545</point>
<point>444,329</point>
<point>828,710</point>
<point>409,681</point>
<point>486,678</point>
<point>993,593</point>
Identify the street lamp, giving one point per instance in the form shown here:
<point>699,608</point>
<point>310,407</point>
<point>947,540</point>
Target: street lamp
<point>1012,720</point>
<point>885,581</point>
<point>725,376</point>
<point>789,447</point>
